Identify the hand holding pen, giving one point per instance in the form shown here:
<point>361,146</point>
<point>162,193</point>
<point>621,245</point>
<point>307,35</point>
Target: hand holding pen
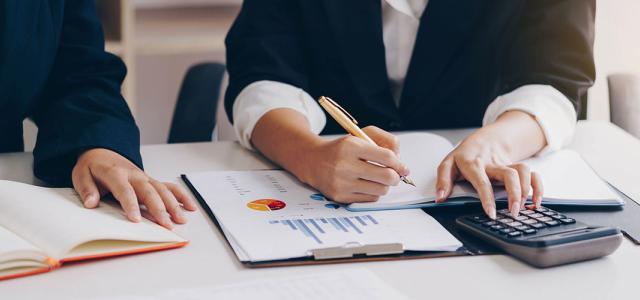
<point>350,124</point>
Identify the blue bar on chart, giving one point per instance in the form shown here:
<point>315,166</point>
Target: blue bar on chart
<point>315,228</point>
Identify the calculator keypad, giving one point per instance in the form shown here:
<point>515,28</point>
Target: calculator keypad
<point>527,223</point>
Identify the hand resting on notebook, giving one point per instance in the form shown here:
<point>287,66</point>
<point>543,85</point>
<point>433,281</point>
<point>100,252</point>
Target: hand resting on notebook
<point>101,171</point>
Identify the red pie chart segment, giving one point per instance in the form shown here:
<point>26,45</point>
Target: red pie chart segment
<point>266,204</point>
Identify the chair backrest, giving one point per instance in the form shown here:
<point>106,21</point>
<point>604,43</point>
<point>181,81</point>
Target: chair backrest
<point>624,101</point>
<point>194,117</point>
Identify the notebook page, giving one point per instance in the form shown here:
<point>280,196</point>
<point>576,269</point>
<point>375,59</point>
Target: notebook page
<point>567,177</point>
<point>12,248</point>
<point>422,153</point>
<point>55,221</point>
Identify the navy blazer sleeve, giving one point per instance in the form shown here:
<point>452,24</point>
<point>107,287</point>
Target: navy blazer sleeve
<point>82,107</point>
<point>264,44</point>
<point>553,45</point>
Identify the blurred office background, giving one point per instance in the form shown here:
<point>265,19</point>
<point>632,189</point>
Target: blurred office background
<point>160,39</point>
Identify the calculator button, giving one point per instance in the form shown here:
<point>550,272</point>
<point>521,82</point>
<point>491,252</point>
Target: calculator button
<point>536,215</point>
<point>496,227</point>
<point>530,231</point>
<point>489,224</point>
<point>542,209</point>
<point>506,230</point>
<point>522,227</point>
<point>521,218</point>
<point>504,211</point>
<point>479,219</point>
<point>552,223</point>
<point>559,217</point>
<point>537,225</point>
<point>568,221</point>
<point>530,221</point>
<point>514,224</point>
<point>505,220</point>
<point>526,212</point>
<point>514,234</point>
<point>544,219</point>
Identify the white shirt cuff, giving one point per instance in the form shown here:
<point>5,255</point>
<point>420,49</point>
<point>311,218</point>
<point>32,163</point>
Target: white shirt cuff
<point>551,109</point>
<point>260,97</point>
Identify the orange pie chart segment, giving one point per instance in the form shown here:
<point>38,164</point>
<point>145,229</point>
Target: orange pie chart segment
<point>266,204</point>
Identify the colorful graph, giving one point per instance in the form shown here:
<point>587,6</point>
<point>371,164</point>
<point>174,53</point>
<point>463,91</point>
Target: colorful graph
<point>315,228</point>
<point>318,197</point>
<point>266,204</point>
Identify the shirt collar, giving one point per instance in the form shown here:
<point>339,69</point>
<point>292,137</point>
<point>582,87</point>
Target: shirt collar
<point>411,8</point>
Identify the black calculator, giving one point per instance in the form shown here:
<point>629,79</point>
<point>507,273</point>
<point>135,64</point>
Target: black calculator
<point>543,237</point>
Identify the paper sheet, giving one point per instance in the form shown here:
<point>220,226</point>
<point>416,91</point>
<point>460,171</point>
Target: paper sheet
<point>270,215</point>
<point>343,285</point>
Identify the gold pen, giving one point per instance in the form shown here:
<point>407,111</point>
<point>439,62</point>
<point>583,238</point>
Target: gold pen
<point>350,124</point>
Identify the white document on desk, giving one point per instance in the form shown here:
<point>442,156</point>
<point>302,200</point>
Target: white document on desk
<point>343,285</point>
<point>269,215</point>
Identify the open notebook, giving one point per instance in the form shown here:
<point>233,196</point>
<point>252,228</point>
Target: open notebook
<point>42,228</point>
<point>567,178</point>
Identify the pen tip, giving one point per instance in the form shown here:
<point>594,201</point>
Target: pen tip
<point>408,181</point>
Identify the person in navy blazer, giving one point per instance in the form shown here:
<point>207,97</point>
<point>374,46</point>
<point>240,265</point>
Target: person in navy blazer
<point>518,68</point>
<point>54,70</point>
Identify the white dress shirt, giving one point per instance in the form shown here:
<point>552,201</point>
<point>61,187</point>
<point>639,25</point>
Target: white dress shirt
<point>400,21</point>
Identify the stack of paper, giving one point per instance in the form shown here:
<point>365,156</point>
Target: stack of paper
<point>269,215</point>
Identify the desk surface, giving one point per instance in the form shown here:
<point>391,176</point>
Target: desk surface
<point>208,260</point>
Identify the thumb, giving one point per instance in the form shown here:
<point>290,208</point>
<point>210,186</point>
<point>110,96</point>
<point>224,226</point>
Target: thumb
<point>86,187</point>
<point>383,138</point>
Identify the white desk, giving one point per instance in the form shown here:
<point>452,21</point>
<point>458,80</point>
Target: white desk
<point>209,261</point>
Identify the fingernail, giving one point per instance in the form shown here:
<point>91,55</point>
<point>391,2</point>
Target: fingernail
<point>90,200</point>
<point>135,216</point>
<point>515,210</point>
<point>440,195</point>
<point>492,214</point>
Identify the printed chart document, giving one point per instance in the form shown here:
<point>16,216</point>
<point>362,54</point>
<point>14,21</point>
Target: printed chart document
<point>269,215</point>
<point>567,178</point>
<point>343,285</point>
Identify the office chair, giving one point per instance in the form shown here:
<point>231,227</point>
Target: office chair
<point>194,117</point>
<point>624,102</point>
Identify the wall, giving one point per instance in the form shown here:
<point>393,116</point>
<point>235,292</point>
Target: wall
<point>617,49</point>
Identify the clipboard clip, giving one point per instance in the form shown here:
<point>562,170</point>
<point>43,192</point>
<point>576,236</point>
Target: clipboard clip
<point>351,249</point>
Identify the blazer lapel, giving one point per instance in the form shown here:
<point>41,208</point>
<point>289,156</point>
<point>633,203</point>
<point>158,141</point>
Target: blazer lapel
<point>357,26</point>
<point>444,27</point>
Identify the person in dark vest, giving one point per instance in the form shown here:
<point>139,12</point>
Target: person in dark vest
<point>517,69</point>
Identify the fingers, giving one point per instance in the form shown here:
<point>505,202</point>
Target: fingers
<point>511,182</point>
<point>383,138</point>
<point>183,196</point>
<point>355,197</point>
<point>447,172</point>
<point>377,174</point>
<point>170,202</point>
<point>148,195</point>
<point>475,173</point>
<point>85,186</point>
<point>117,182</point>
<point>524,173</point>
<point>538,190</point>
<point>382,156</point>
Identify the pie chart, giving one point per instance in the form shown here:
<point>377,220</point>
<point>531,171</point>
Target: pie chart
<point>266,204</point>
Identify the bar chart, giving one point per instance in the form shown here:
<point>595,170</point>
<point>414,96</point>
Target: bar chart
<point>317,227</point>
